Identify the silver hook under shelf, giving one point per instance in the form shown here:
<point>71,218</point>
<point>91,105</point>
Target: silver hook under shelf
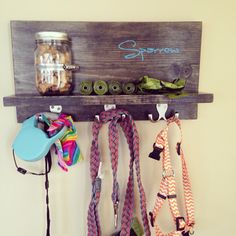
<point>55,108</point>
<point>108,107</point>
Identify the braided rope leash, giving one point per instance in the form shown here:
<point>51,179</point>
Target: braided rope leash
<point>168,187</point>
<point>128,126</point>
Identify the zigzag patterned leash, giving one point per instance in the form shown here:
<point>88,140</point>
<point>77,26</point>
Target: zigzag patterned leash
<point>128,126</point>
<point>168,188</point>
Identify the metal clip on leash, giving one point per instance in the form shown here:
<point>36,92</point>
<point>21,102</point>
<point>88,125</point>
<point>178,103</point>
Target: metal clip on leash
<point>98,180</point>
<point>116,208</point>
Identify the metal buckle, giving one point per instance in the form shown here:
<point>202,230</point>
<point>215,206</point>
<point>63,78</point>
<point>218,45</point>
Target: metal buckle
<point>189,232</point>
<point>178,219</point>
<point>185,233</point>
<point>168,173</point>
<point>151,219</point>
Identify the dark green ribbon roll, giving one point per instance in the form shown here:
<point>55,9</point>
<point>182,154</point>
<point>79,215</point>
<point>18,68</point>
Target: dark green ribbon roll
<point>114,87</point>
<point>177,84</point>
<point>148,83</point>
<point>129,88</point>
<point>86,87</point>
<point>177,95</point>
<point>100,87</point>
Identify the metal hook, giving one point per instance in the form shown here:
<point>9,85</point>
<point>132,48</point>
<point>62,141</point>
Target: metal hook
<point>161,110</point>
<point>108,107</point>
<point>177,115</point>
<point>123,117</point>
<point>97,118</point>
<point>150,117</point>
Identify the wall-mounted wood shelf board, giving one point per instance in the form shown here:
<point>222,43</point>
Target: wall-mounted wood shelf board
<point>81,100</point>
<point>84,108</point>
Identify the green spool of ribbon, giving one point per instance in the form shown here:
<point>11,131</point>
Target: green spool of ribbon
<point>114,87</point>
<point>86,87</point>
<point>129,88</point>
<point>100,87</point>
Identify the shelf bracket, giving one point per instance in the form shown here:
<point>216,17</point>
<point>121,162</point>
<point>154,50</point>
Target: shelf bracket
<point>55,108</point>
<point>162,109</point>
<point>108,107</point>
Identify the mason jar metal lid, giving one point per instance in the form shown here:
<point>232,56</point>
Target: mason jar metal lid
<point>51,35</point>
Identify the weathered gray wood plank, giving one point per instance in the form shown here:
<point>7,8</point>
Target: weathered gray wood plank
<point>95,47</point>
<point>85,113</point>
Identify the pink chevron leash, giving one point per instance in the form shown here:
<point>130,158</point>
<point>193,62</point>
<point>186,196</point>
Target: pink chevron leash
<point>168,186</point>
<point>114,117</point>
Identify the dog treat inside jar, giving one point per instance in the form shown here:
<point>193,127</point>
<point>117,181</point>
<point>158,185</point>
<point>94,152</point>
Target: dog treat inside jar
<point>53,63</point>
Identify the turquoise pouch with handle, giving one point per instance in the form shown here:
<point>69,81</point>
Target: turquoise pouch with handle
<point>32,143</point>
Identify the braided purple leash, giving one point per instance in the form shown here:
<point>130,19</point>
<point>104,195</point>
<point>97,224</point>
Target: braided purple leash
<point>128,126</point>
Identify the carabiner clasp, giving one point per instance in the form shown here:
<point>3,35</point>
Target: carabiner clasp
<point>191,231</point>
<point>116,208</point>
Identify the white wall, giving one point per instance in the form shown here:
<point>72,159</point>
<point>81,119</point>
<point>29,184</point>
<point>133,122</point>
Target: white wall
<point>209,141</point>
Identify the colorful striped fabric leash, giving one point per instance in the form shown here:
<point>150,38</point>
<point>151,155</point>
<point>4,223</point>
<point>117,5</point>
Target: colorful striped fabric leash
<point>168,186</point>
<point>114,117</point>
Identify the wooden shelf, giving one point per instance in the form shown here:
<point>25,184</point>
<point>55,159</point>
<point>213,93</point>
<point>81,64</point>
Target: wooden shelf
<point>84,108</point>
<point>75,100</point>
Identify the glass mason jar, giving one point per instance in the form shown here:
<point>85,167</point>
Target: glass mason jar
<point>53,60</point>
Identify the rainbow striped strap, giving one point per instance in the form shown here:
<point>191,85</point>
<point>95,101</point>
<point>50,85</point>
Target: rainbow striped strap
<point>67,149</point>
